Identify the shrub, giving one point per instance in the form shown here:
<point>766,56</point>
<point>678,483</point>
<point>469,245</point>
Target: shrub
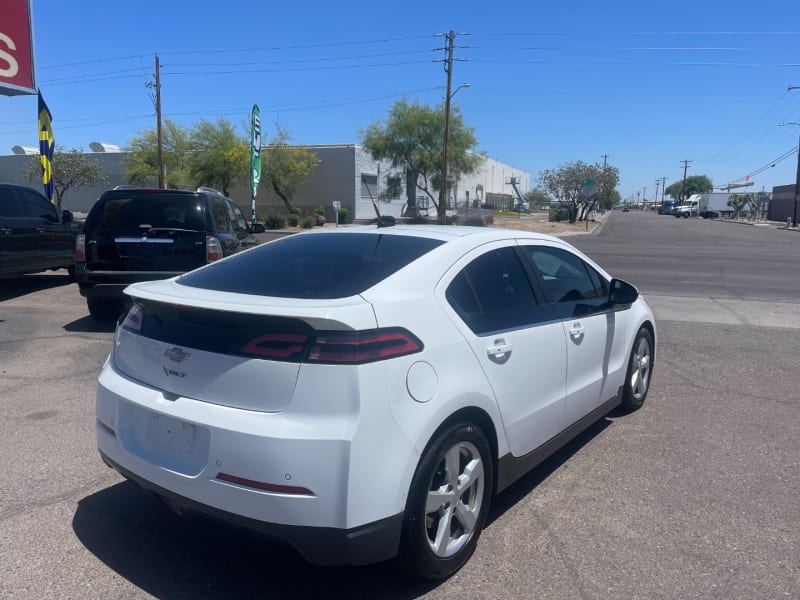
<point>319,220</point>
<point>320,210</point>
<point>474,222</point>
<point>560,214</point>
<point>274,221</point>
<point>343,212</point>
<point>489,219</point>
<point>308,222</point>
<point>293,220</point>
<point>296,211</point>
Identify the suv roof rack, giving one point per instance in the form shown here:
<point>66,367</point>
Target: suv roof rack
<point>205,188</point>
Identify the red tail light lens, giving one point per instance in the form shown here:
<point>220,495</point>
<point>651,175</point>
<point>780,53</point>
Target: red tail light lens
<point>133,318</point>
<point>213,249</point>
<point>277,346</point>
<point>362,346</point>
<point>333,347</point>
<point>80,248</point>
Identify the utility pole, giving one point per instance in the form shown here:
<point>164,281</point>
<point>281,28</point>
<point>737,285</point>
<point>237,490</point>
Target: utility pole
<point>448,68</point>
<point>658,183</point>
<point>158,126</point>
<point>663,189</point>
<point>605,187</point>
<point>644,194</point>
<point>797,175</point>
<point>683,185</point>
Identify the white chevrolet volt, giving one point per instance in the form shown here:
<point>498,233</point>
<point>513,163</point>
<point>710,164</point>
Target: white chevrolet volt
<point>363,393</point>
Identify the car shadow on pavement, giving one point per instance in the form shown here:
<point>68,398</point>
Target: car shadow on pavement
<point>525,485</point>
<point>14,287</point>
<point>191,557</point>
<point>89,325</point>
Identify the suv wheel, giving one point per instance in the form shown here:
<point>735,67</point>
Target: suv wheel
<point>104,309</point>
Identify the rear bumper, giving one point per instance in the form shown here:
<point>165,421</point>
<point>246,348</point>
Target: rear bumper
<point>324,546</point>
<point>111,284</point>
<point>342,507</point>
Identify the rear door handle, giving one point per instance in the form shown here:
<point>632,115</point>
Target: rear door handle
<point>5,230</point>
<point>576,330</point>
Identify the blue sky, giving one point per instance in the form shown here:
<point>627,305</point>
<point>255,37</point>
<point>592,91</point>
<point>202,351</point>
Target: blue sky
<point>647,83</point>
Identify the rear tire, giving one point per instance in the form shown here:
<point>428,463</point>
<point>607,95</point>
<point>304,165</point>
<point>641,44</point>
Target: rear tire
<point>104,309</point>
<point>447,503</point>
<point>640,370</point>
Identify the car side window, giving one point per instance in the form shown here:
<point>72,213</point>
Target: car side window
<point>236,216</point>
<point>36,206</point>
<point>10,204</point>
<point>219,213</point>
<point>565,277</point>
<point>493,293</point>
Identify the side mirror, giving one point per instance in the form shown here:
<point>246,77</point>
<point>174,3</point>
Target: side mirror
<point>257,228</point>
<point>66,216</point>
<point>622,293</point>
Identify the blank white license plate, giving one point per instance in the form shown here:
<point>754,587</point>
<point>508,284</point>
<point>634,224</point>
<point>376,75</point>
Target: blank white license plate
<point>169,432</point>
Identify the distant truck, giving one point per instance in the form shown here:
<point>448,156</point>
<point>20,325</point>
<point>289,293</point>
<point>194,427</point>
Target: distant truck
<point>708,206</point>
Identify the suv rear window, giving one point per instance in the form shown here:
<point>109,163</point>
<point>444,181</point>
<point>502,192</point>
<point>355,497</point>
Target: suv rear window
<point>317,265</point>
<point>125,213</point>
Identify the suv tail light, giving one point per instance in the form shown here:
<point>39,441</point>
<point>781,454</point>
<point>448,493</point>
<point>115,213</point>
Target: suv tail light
<point>213,249</point>
<point>80,248</point>
<point>333,347</point>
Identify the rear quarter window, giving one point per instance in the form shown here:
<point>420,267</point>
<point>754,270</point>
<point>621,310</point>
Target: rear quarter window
<point>318,265</point>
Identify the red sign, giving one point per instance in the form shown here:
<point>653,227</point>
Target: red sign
<point>16,48</point>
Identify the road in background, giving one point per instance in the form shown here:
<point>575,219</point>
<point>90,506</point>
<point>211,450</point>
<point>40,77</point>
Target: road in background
<point>693,496</point>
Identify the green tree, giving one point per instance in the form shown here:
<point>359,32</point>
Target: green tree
<point>285,167</point>
<point>141,162</point>
<point>412,137</point>
<point>756,202</point>
<point>72,168</point>
<point>737,203</point>
<point>566,185</point>
<point>695,184</point>
<point>538,198</point>
<point>219,157</point>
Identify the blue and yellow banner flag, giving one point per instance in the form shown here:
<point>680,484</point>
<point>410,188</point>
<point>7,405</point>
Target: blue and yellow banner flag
<point>47,144</point>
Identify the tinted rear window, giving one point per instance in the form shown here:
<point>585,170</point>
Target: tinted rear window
<point>318,265</point>
<point>125,213</point>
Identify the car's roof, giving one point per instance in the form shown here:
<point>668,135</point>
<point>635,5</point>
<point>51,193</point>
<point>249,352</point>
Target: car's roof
<point>15,185</point>
<point>444,233</point>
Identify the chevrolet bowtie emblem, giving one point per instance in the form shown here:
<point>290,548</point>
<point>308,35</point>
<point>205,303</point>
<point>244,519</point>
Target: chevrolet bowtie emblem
<point>177,355</point>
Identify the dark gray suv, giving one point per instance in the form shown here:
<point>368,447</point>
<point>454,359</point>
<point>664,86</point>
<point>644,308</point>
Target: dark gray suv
<point>33,236</point>
<point>134,234</point>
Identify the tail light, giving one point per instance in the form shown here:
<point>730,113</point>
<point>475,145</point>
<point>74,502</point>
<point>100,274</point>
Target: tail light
<point>80,248</point>
<point>213,249</point>
<point>334,347</point>
<point>132,321</point>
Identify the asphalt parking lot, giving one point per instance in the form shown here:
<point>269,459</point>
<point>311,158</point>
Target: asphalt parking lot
<point>694,496</point>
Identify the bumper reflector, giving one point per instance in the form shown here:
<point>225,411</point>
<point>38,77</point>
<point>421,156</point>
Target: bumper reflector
<point>106,428</point>
<point>267,487</point>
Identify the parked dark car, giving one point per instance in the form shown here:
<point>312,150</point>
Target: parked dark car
<point>33,237</point>
<point>136,234</point>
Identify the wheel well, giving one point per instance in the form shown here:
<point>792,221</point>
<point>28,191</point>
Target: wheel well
<point>480,418</point>
<point>649,326</point>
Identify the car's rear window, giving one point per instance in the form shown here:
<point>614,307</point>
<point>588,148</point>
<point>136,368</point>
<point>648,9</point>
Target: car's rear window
<point>127,213</point>
<point>317,265</point>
